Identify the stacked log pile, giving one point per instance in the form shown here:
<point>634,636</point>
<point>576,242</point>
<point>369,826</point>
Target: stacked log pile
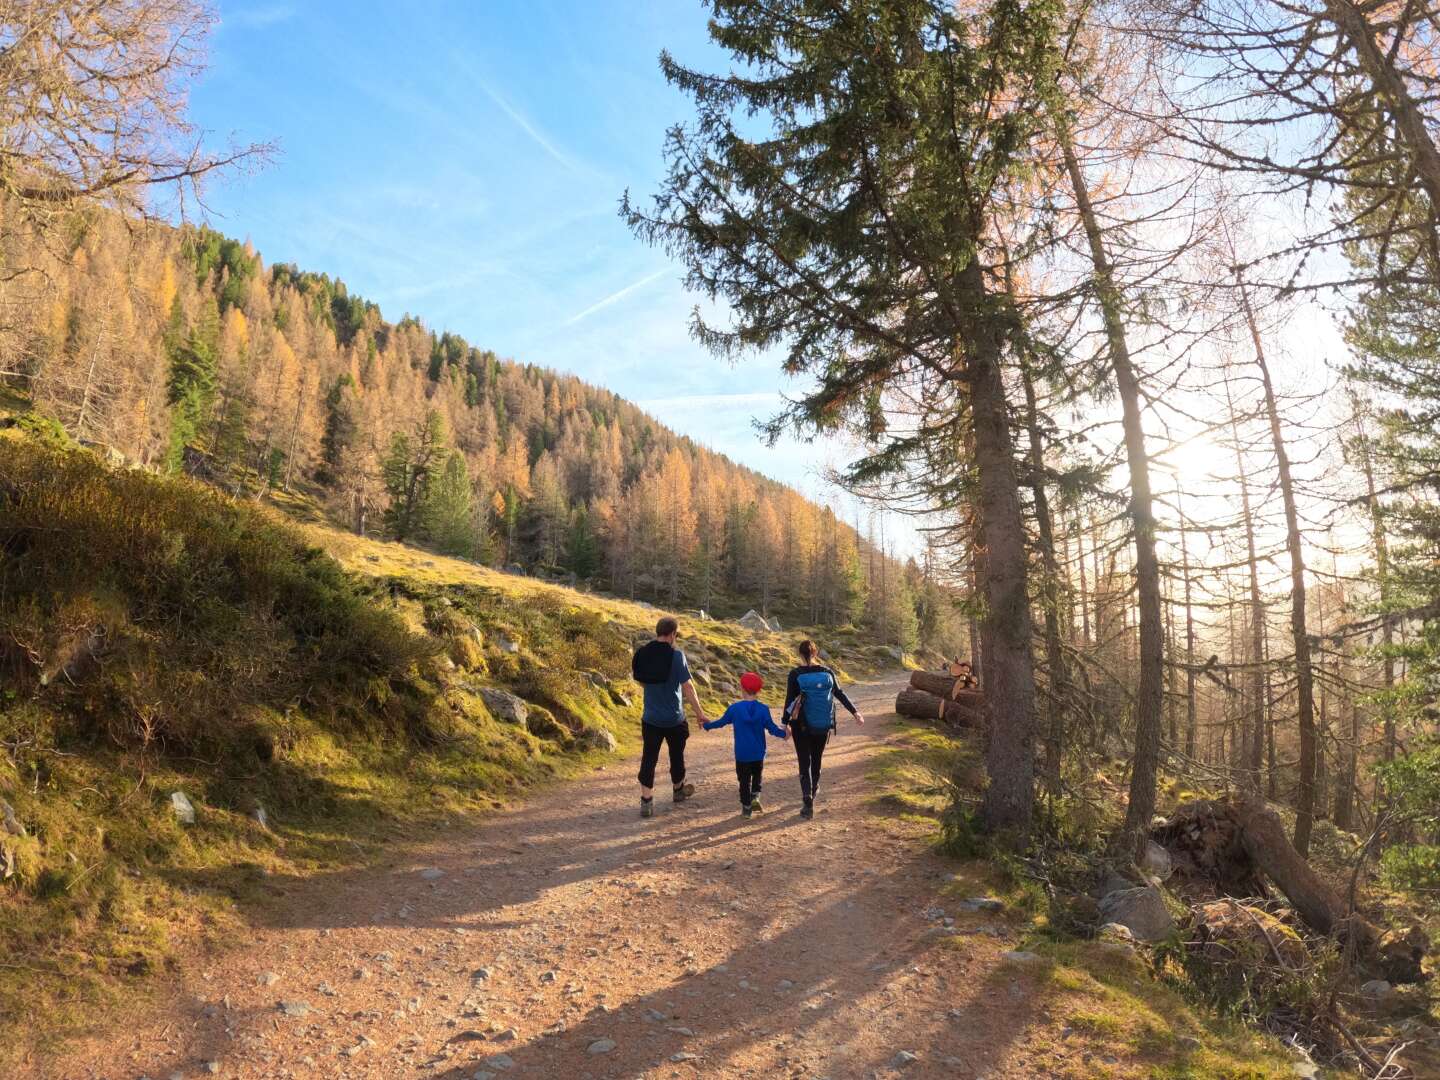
<point>935,696</point>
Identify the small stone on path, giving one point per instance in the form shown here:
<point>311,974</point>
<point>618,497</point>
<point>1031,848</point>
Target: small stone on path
<point>602,1046</point>
<point>982,903</point>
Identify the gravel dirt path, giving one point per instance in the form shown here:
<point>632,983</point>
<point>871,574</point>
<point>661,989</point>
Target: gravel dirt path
<point>569,938</point>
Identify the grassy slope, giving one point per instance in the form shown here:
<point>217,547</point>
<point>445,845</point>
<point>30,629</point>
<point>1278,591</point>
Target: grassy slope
<point>217,650</point>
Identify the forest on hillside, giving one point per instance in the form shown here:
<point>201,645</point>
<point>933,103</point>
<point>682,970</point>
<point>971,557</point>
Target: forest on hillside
<point>182,351</point>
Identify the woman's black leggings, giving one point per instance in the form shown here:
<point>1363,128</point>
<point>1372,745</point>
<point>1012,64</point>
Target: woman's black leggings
<point>809,749</point>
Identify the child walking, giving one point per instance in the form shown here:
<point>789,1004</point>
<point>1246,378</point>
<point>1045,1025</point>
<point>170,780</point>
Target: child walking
<point>751,720</point>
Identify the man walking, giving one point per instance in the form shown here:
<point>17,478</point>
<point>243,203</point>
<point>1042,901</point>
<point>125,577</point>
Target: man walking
<point>661,669</point>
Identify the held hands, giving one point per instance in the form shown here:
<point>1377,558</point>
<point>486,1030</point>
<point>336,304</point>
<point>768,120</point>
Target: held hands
<point>860,719</point>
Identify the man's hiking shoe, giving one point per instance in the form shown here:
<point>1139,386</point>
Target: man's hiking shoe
<point>746,811</point>
<point>756,808</point>
<point>647,807</point>
<point>808,810</point>
<point>684,791</point>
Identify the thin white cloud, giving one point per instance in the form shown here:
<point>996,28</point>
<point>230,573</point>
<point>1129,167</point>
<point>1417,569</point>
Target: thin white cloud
<point>527,127</point>
<point>257,18</point>
<point>618,295</point>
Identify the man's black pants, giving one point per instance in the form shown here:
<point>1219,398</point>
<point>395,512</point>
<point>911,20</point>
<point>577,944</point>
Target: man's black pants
<point>809,749</point>
<point>749,773</point>
<point>674,738</point>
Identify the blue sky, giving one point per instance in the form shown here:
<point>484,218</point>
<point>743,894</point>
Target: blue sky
<point>463,162</point>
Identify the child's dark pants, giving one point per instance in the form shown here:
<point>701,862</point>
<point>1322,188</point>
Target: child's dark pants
<point>749,774</point>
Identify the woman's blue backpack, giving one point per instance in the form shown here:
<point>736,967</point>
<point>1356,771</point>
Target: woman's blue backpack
<point>817,696</point>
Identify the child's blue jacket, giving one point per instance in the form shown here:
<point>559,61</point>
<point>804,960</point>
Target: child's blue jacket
<point>751,720</point>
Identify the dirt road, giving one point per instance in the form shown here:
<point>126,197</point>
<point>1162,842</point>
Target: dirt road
<point>569,938</point>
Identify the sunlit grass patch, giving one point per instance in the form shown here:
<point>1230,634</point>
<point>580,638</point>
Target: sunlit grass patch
<point>1110,997</point>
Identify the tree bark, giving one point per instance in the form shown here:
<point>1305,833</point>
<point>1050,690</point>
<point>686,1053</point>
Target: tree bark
<point>1382,576</point>
<point>1150,695</point>
<point>1009,672</point>
<point>1190,717</point>
<point>1059,686</point>
<point>1304,675</point>
<point>1314,900</point>
<point>1255,740</point>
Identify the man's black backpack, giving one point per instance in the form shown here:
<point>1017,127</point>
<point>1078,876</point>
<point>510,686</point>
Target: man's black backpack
<point>652,662</point>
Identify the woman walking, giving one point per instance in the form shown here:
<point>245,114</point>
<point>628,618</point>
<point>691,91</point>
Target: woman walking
<point>810,695</point>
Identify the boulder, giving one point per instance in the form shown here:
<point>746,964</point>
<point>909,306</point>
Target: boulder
<point>11,822</point>
<point>504,706</point>
<point>753,620</point>
<point>1376,990</point>
<point>598,739</point>
<point>1112,882</point>
<point>183,807</point>
<point>1156,861</point>
<point>1141,911</point>
<point>542,724</point>
<point>774,625</point>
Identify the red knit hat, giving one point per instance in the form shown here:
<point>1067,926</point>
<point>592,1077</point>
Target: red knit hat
<point>751,683</point>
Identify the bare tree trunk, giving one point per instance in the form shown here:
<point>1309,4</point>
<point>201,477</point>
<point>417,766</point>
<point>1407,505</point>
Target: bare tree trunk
<point>1304,675</point>
<point>1097,594</point>
<point>1272,770</point>
<point>1059,688</point>
<point>1382,575</point>
<point>1172,722</point>
<point>1084,590</point>
<point>1010,674</point>
<point>1190,717</point>
<point>1255,740</point>
<point>81,419</point>
<point>294,438</point>
<point>1150,696</point>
